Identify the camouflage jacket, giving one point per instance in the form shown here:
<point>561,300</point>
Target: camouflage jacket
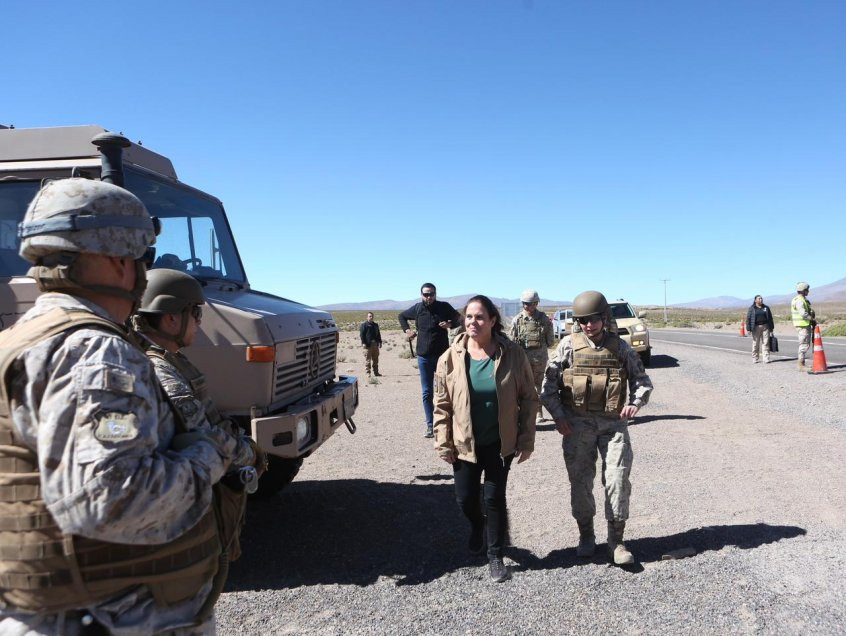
<point>127,487</point>
<point>640,386</point>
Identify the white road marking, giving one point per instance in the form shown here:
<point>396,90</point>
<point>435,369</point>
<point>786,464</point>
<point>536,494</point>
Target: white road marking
<point>745,353</point>
<point>833,341</point>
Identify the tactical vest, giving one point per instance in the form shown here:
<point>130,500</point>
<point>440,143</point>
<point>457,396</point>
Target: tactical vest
<point>799,306</point>
<point>529,332</point>
<point>231,504</point>
<point>596,383</point>
<point>44,570</point>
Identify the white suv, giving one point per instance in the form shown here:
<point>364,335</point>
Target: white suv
<point>631,328</point>
<point>562,322</point>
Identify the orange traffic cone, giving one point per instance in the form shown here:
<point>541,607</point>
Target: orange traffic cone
<point>820,365</point>
<point>742,329</point>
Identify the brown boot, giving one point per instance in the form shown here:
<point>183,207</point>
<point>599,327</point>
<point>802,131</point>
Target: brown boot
<point>617,550</point>
<point>802,365</point>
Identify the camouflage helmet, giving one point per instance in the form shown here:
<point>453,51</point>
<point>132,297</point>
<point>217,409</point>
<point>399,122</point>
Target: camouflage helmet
<point>589,303</point>
<point>529,296</point>
<point>801,286</point>
<point>170,292</point>
<point>81,215</point>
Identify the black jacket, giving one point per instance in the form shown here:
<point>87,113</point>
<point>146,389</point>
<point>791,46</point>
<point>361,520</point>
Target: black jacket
<point>369,332</point>
<point>756,316</point>
<point>432,340</point>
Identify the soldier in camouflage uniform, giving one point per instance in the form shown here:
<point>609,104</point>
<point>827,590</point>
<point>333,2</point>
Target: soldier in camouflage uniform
<point>105,502</point>
<point>585,391</point>
<point>532,330</point>
<point>167,321</point>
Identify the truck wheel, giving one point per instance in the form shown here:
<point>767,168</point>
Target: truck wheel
<point>280,472</point>
<point>646,357</point>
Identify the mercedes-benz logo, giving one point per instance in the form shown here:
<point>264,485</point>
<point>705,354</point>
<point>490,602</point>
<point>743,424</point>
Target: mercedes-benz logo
<point>313,360</point>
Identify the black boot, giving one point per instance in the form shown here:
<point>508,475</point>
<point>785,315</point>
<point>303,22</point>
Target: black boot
<point>498,569</point>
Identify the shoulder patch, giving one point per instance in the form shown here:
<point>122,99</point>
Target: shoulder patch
<point>116,427</point>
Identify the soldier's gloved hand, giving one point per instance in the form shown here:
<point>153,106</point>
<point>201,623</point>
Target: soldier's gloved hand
<point>260,463</point>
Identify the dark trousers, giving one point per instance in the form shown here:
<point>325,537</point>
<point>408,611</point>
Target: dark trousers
<point>467,477</point>
<point>426,366</point>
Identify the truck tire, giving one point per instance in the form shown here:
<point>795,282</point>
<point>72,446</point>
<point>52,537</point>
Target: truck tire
<point>646,357</point>
<point>280,472</point>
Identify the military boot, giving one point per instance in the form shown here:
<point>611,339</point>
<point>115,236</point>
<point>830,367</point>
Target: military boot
<point>617,551</point>
<point>802,365</point>
<point>587,539</point>
<point>376,370</point>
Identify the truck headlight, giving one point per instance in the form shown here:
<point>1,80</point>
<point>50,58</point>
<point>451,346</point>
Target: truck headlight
<point>303,431</point>
<point>640,327</point>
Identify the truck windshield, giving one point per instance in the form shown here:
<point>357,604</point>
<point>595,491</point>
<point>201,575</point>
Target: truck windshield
<point>14,199</point>
<point>622,310</point>
<point>195,235</point>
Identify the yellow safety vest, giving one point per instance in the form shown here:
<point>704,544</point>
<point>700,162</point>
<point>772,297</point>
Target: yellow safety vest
<point>798,307</point>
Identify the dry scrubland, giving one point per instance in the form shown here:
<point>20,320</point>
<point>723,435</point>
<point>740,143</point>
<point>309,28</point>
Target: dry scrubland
<point>831,317</point>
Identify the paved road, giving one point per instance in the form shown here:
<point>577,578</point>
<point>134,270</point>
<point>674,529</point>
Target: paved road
<point>835,348</point>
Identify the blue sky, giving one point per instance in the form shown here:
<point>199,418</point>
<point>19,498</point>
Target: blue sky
<point>361,148</point>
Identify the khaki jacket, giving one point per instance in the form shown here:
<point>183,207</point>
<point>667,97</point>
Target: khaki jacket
<point>515,392</point>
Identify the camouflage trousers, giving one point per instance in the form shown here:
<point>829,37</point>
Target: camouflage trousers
<point>608,438</point>
<point>371,357</point>
<point>538,359</point>
<point>804,334</point>
<point>760,338</point>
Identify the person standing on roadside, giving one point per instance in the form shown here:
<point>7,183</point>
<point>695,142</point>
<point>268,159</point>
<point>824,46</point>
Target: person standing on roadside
<point>584,390</point>
<point>485,403</point>
<point>803,319</point>
<point>432,318</point>
<point>531,329</point>
<point>759,322</point>
<point>106,516</point>
<point>371,341</point>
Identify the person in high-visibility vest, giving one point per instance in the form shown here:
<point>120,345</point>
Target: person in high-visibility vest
<point>803,319</point>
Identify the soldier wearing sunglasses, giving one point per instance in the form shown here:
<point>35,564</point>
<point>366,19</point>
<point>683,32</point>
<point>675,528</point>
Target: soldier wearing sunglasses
<point>593,385</point>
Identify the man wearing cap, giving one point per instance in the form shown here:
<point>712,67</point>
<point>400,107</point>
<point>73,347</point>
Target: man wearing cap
<point>105,504</point>
<point>585,391</point>
<point>532,330</point>
<point>803,319</point>
<point>432,319</point>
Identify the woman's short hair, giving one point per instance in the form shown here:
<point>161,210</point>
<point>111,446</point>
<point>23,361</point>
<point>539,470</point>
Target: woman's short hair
<point>757,296</point>
<point>490,308</point>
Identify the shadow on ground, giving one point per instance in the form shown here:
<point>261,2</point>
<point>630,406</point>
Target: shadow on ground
<point>657,418</point>
<point>352,532</point>
<point>662,362</point>
<point>650,549</point>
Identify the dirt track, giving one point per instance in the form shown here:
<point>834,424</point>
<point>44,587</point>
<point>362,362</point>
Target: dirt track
<point>730,459</point>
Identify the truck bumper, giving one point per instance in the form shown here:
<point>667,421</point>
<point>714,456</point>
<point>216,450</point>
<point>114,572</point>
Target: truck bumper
<point>306,424</point>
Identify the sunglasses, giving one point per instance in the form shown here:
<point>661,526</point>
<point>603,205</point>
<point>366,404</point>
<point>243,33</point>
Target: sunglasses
<point>428,294</point>
<point>587,319</point>
<point>196,312</point>
<point>528,304</point>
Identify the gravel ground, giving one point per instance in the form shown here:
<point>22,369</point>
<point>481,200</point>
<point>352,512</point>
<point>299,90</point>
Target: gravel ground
<point>740,462</point>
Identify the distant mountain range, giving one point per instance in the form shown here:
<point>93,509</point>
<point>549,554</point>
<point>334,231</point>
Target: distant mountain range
<point>456,301</point>
<point>833,292</point>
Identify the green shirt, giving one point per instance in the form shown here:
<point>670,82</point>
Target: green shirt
<point>484,408</point>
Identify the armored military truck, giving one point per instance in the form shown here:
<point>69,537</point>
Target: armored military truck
<point>269,361</point>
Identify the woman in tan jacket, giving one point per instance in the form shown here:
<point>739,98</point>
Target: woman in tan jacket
<point>485,407</point>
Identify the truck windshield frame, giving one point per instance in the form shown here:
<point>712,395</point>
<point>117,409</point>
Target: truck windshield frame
<point>196,237</point>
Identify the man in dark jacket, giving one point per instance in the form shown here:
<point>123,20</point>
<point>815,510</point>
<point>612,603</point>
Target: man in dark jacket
<point>371,340</point>
<point>432,318</point>
<point>759,322</point>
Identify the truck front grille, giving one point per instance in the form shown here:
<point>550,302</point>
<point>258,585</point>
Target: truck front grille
<point>313,364</point>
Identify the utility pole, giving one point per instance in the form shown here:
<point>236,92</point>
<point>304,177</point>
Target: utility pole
<point>665,298</point>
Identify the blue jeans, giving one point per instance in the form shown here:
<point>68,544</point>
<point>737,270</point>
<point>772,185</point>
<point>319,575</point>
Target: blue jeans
<point>426,365</point>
